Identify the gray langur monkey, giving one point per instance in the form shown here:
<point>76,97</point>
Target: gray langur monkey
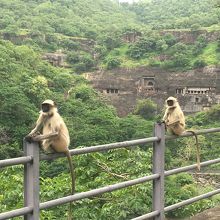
<point>174,120</point>
<point>53,134</point>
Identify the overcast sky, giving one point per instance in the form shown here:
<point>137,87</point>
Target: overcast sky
<point>130,1</point>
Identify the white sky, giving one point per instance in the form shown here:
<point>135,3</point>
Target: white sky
<point>129,1</point>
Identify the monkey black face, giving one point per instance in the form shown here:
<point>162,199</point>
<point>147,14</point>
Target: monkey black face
<point>45,107</point>
<point>170,102</point>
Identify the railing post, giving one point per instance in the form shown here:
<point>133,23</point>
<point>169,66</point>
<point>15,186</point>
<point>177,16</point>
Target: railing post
<point>158,167</point>
<point>31,180</point>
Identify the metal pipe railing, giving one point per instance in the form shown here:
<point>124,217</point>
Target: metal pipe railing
<point>31,181</point>
<point>178,205</point>
<point>191,167</point>
<point>16,213</point>
<point>190,201</point>
<point>104,147</point>
<point>114,187</point>
<point>32,205</point>
<point>158,167</point>
<point>188,134</point>
<point>147,216</point>
<point>96,192</point>
<point>117,145</point>
<point>15,161</point>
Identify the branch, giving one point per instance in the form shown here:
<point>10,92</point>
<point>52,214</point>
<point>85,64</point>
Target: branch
<point>107,169</point>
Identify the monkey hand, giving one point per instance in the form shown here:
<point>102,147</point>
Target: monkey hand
<point>37,137</point>
<point>28,138</point>
<point>160,122</point>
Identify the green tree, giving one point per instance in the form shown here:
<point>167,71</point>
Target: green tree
<point>146,108</point>
<point>170,39</point>
<point>199,64</point>
<point>81,62</point>
<point>181,60</point>
<point>112,62</point>
<point>200,43</point>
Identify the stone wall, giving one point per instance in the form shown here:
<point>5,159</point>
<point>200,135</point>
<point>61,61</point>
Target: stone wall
<point>56,59</point>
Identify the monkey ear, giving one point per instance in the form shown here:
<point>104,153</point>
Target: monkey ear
<point>55,104</point>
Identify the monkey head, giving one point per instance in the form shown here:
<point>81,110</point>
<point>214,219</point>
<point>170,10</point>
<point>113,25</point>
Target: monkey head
<point>171,102</point>
<point>48,106</point>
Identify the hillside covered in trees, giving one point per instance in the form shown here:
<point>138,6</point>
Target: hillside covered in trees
<point>26,81</point>
<point>91,33</point>
<point>174,14</point>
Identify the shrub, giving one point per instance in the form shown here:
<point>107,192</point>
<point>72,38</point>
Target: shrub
<point>112,63</point>
<point>81,62</point>
<point>146,108</point>
<point>199,64</point>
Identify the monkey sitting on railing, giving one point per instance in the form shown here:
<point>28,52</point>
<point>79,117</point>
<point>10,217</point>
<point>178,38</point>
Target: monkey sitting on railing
<point>174,120</point>
<point>53,134</point>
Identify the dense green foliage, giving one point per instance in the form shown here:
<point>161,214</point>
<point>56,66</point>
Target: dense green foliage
<point>26,81</point>
<point>146,108</point>
<point>86,27</point>
<point>91,33</point>
<point>67,17</point>
<point>174,14</point>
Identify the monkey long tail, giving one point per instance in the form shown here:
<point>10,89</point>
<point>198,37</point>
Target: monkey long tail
<point>72,172</point>
<point>197,149</point>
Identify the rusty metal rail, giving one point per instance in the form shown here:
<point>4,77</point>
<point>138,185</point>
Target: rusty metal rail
<point>31,160</point>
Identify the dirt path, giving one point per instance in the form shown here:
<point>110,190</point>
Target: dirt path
<point>210,214</point>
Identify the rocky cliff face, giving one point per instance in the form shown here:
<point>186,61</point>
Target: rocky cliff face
<point>196,90</point>
<point>191,36</point>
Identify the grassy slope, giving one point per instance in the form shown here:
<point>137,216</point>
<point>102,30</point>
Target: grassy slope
<point>210,55</point>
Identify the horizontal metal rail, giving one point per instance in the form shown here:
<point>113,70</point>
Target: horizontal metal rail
<point>188,134</point>
<point>146,216</point>
<point>29,209</point>
<point>185,202</point>
<point>178,205</point>
<point>15,161</point>
<point>191,167</point>
<point>192,200</point>
<point>117,186</point>
<point>103,147</point>
<point>95,192</point>
<point>16,212</point>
